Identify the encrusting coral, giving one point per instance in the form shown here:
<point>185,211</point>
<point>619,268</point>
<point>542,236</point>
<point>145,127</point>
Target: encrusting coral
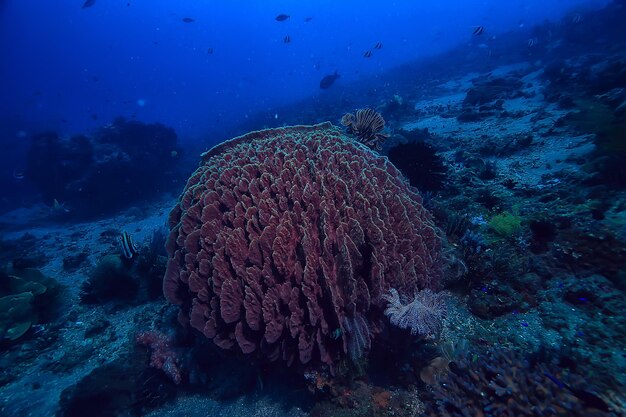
<point>503,383</point>
<point>27,297</point>
<point>285,240</point>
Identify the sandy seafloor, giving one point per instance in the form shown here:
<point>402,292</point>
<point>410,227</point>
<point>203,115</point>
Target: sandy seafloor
<point>546,164</point>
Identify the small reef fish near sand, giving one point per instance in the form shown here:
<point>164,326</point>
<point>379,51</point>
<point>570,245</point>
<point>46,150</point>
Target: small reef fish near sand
<point>367,54</point>
<point>287,39</point>
<point>329,80</point>
<point>188,20</point>
<point>282,17</point>
<point>379,45</point>
<point>129,249</point>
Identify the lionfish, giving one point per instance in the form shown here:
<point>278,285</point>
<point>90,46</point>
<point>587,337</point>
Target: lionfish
<point>366,125</point>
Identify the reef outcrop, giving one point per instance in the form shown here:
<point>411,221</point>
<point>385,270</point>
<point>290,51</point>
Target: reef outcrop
<point>285,240</point>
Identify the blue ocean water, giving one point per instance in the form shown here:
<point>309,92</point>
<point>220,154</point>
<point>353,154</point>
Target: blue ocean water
<point>453,244</point>
<point>62,62</point>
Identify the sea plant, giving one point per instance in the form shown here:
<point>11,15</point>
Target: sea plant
<point>505,224</point>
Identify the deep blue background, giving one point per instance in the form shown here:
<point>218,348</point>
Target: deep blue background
<point>72,69</point>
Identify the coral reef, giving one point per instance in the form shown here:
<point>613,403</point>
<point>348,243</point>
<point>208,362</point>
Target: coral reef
<point>22,253</point>
<point>125,162</point>
<point>421,164</point>
<point>362,399</point>
<point>502,383</point>
<point>118,281</point>
<point>27,297</point>
<point>162,355</point>
<point>486,97</point>
<point>119,388</point>
<point>110,281</point>
<point>423,315</point>
<point>284,234</point>
<point>505,224</point>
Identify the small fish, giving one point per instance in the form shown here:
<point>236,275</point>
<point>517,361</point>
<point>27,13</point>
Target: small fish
<point>532,42</point>
<point>577,18</point>
<point>588,398</point>
<point>287,39</point>
<point>18,174</point>
<point>188,20</point>
<point>59,207</point>
<point>478,30</point>
<point>88,3</point>
<point>308,19</point>
<point>367,54</point>
<point>282,17</point>
<point>378,45</point>
<point>129,249</point>
<point>209,51</point>
<point>329,80</point>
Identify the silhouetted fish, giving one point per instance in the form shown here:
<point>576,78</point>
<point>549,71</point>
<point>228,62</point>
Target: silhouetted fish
<point>328,80</point>
<point>188,20</point>
<point>88,3</point>
<point>478,30</point>
<point>18,174</point>
<point>308,19</point>
<point>287,39</point>
<point>367,54</point>
<point>282,17</point>
<point>209,51</point>
<point>378,45</point>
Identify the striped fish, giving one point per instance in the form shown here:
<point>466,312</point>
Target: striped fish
<point>478,30</point>
<point>129,249</point>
